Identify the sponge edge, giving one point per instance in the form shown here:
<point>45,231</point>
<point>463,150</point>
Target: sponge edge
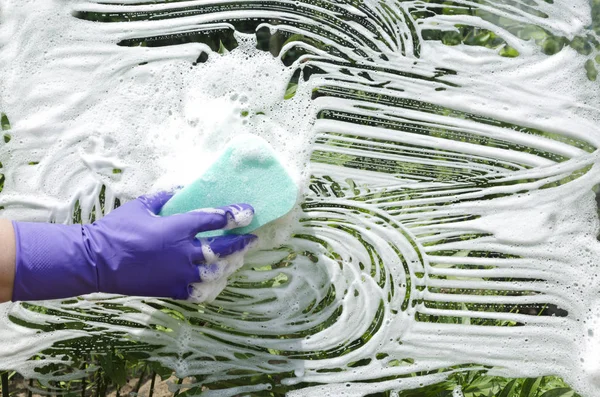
<point>247,171</point>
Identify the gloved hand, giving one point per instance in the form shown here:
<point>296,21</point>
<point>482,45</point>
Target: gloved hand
<point>131,251</point>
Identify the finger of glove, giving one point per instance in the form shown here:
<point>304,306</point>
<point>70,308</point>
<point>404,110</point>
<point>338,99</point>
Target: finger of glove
<point>207,219</point>
<point>238,215</point>
<point>210,272</point>
<point>210,249</point>
<point>192,276</point>
<point>155,202</point>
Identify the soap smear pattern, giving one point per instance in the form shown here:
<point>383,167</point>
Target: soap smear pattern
<point>447,154</point>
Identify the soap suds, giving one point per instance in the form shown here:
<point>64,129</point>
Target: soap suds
<point>447,188</point>
<point>214,277</point>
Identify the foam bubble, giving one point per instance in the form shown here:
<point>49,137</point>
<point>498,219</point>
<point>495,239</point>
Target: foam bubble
<point>447,197</point>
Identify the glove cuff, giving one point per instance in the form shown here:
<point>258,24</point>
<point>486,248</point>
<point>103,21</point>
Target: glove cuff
<point>52,262</point>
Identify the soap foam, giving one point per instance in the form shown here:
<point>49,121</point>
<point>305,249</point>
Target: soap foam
<point>445,182</point>
<point>214,277</point>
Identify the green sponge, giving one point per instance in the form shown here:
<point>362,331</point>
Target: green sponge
<point>247,172</point>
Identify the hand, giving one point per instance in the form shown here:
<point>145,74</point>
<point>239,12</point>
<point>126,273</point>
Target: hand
<point>130,251</point>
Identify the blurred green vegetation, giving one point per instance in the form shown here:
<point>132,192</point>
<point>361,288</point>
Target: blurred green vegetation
<point>586,44</point>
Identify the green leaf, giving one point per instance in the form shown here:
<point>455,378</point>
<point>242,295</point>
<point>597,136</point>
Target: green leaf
<point>591,71</point>
<point>299,37</point>
<point>194,391</point>
<point>291,91</point>
<point>114,368</point>
<point>476,382</point>
<point>465,320</point>
<point>134,357</point>
<point>560,392</point>
<point>4,122</point>
<point>508,52</point>
<point>530,387</point>
<point>508,389</point>
<point>164,372</point>
<point>222,50</point>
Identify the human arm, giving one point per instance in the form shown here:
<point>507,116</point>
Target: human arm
<point>7,260</point>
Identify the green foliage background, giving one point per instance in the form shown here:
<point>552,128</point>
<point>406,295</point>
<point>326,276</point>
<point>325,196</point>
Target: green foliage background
<point>107,367</point>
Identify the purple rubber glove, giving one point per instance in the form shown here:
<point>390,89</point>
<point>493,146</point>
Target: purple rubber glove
<point>131,251</point>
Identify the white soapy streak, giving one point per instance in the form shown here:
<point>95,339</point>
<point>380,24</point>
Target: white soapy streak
<point>376,248</point>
